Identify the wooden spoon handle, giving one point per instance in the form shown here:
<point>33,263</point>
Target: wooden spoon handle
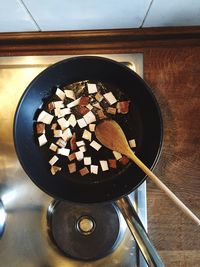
<point>163,187</point>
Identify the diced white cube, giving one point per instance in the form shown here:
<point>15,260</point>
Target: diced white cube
<point>74,103</point>
<point>55,169</point>
<point>53,147</point>
<point>45,117</point>
<point>72,120</point>
<point>63,123</point>
<point>70,94</point>
<point>95,145</point>
<point>82,148</point>
<point>42,140</point>
<point>61,143</point>
<point>92,88</point>
<point>89,106</point>
<point>87,135</point>
<point>94,169</point>
<point>92,127</point>
<point>80,143</point>
<point>57,112</point>
<point>110,98</point>
<point>59,104</point>
<point>87,160</point>
<point>53,160</point>
<point>82,123</point>
<point>53,126</point>
<point>89,117</point>
<point>67,134</point>
<point>57,133</point>
<point>132,143</point>
<point>63,151</point>
<point>117,155</point>
<point>60,93</point>
<point>64,111</point>
<point>104,165</point>
<point>79,155</point>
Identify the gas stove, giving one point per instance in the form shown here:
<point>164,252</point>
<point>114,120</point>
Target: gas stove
<point>36,230</point>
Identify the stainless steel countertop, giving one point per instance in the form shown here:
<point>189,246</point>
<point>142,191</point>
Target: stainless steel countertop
<point>25,241</point>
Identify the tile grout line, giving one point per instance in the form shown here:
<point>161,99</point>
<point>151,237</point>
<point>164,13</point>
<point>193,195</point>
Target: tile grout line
<point>29,13</point>
<point>142,24</point>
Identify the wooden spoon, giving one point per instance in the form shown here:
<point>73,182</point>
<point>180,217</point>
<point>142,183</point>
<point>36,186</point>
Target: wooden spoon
<point>110,134</point>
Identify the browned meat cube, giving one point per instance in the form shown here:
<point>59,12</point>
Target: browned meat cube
<point>84,171</point>
<point>82,110</point>
<point>72,167</point>
<point>71,156</point>
<point>101,114</point>
<point>84,101</point>
<point>111,110</point>
<point>112,163</point>
<point>73,144</point>
<point>123,107</point>
<point>40,128</point>
<point>124,160</point>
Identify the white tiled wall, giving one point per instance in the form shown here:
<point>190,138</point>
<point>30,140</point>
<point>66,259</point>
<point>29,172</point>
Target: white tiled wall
<point>55,15</point>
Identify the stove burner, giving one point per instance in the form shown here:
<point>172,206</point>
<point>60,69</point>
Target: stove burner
<point>2,218</point>
<point>85,231</point>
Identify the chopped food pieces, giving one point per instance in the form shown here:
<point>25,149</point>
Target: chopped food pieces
<point>60,93</point>
<point>53,147</point>
<point>72,120</point>
<point>63,123</point>
<point>84,171</point>
<point>82,123</point>
<point>132,143</point>
<point>104,165</point>
<point>92,127</point>
<point>110,98</point>
<point>89,117</point>
<point>87,135</point>
<point>71,156</point>
<point>111,110</point>
<point>40,128</point>
<point>61,143</point>
<point>79,155</point>
<point>55,169</point>
<point>53,160</point>
<point>112,163</point>
<point>99,97</point>
<point>42,140</point>
<point>72,167</point>
<point>70,94</point>
<point>84,101</point>
<point>73,103</point>
<point>123,107</point>
<point>73,144</point>
<point>92,88</point>
<point>45,117</point>
<point>67,134</point>
<point>95,145</point>
<point>117,155</point>
<point>124,160</point>
<point>67,121</point>
<point>63,151</point>
<point>87,161</point>
<point>94,169</point>
<point>57,133</point>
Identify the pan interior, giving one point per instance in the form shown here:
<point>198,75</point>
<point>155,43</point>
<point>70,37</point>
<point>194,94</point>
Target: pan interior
<point>143,123</point>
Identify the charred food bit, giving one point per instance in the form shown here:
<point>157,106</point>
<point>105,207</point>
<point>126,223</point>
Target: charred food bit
<point>84,171</point>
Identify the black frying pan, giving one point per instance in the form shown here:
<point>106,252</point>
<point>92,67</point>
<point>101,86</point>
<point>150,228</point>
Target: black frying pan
<point>144,120</point>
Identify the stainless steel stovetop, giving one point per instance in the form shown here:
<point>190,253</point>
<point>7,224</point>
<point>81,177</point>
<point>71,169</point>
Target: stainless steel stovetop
<point>24,238</point>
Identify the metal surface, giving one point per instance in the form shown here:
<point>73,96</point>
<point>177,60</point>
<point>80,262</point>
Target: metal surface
<point>133,221</point>
<point>25,241</point>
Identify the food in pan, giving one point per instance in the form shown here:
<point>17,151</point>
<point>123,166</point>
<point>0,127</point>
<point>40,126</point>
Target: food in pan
<point>66,127</point>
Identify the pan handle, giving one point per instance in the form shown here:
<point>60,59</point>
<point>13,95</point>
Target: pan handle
<point>137,230</point>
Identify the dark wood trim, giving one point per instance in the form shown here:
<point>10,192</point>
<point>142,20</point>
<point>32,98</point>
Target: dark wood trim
<point>97,41</point>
